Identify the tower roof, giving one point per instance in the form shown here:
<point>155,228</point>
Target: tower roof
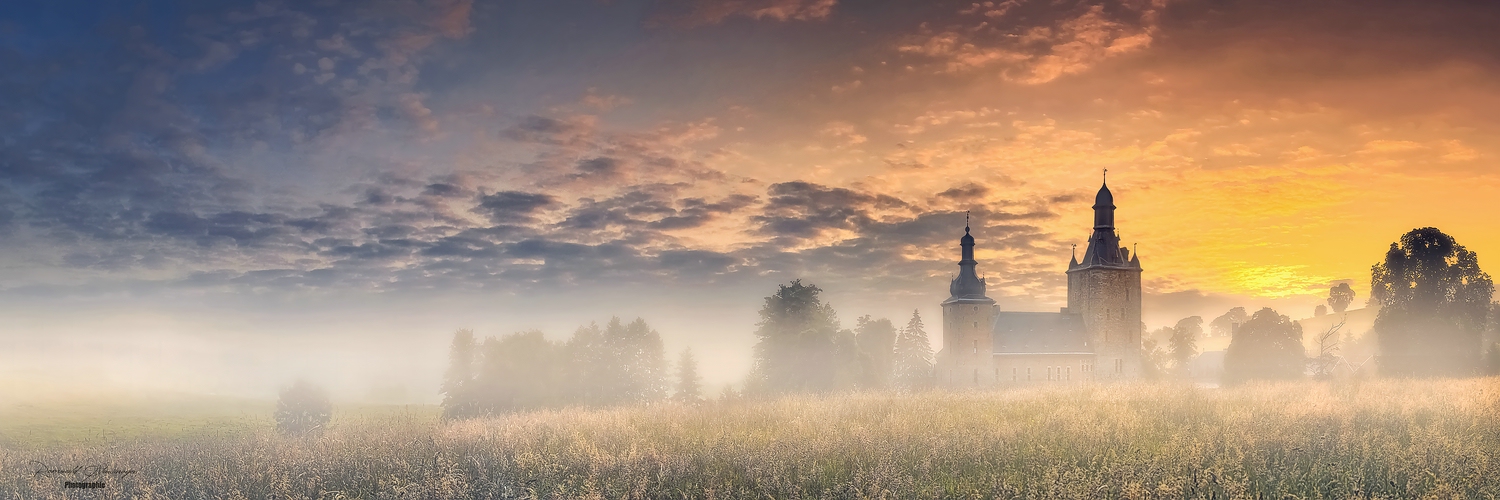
<point>1104,199</point>
<point>967,285</point>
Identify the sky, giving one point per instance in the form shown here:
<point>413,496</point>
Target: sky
<point>222,196</point>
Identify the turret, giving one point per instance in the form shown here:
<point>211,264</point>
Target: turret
<point>1105,288</point>
<point>967,358</point>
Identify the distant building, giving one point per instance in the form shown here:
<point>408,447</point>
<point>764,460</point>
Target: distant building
<point>1096,337</point>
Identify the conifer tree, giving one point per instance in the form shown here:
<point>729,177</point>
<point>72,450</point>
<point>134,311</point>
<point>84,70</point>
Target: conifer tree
<point>913,355</point>
<point>689,384</point>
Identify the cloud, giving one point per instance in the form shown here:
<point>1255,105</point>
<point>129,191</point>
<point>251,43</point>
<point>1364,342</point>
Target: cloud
<point>513,206</point>
<point>690,13</point>
<point>1037,42</point>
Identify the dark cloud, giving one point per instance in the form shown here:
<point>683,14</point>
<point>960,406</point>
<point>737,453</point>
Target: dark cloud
<point>237,228</point>
<point>690,13</point>
<point>513,206</point>
<point>803,210</point>
<point>965,192</point>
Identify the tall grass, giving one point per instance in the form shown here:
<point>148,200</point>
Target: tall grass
<point>1378,439</point>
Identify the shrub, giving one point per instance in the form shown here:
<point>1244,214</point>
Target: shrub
<point>303,409</point>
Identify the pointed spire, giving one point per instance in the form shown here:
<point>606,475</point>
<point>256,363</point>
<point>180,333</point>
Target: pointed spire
<point>968,283</point>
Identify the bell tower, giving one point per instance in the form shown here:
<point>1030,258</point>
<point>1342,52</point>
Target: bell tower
<point>1105,288</point>
<point>967,358</point>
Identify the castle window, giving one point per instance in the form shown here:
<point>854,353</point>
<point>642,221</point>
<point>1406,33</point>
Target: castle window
<point>976,375</point>
<point>1049,373</point>
<point>976,324</point>
<point>976,347</point>
<point>1013,376</point>
<point>1028,373</point>
<point>997,374</point>
<point>1119,366</point>
<point>1070,373</point>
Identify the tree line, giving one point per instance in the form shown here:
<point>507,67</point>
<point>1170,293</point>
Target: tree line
<point>800,347</point>
<point>1436,318</point>
<point>621,363</point>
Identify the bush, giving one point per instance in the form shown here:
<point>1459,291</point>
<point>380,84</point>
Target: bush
<point>303,409</point>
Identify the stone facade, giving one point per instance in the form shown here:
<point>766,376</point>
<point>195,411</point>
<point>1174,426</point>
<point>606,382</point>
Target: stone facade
<point>1096,337</point>
<point>967,318</point>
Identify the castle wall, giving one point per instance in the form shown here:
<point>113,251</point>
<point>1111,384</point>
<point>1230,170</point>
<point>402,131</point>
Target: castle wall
<point>967,344</point>
<point>1032,369</point>
<point>1110,301</point>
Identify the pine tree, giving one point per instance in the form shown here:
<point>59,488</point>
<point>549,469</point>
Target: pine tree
<point>689,384</point>
<point>913,355</point>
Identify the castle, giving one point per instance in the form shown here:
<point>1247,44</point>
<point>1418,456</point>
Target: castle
<point>1096,337</point>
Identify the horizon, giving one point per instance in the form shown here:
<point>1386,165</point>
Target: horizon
<point>220,198</point>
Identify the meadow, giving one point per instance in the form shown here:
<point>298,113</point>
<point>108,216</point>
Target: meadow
<point>1347,439</point>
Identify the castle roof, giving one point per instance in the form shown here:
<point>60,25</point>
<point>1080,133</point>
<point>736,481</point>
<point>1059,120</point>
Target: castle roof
<point>1039,333</point>
<point>1104,199</point>
<point>967,286</point>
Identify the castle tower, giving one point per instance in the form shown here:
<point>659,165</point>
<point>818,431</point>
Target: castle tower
<point>1105,288</point>
<point>968,357</point>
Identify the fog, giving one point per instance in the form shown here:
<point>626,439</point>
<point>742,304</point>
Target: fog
<point>392,347</point>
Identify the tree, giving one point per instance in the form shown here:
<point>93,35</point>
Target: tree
<point>1154,356</point>
<point>689,384</point>
<point>796,340</point>
<point>1224,325</point>
<point>1492,353</point>
<point>458,380</point>
<point>619,364</point>
<point>877,343</point>
<point>1267,346</point>
<point>521,371</point>
<point>303,409</point>
<point>848,362</point>
<point>1328,345</point>
<point>1320,311</point>
<point>913,355</point>
<point>644,363</point>
<point>1339,297</point>
<point>1434,301</point>
<point>593,369</point>
<point>1184,342</point>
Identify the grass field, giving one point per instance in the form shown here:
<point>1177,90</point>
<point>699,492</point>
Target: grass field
<point>1371,439</point>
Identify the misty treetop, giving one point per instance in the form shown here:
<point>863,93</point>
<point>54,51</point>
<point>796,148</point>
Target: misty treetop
<point>1267,347</point>
<point>1434,302</point>
<point>689,387</point>
<point>797,343</point>
<point>1224,325</point>
<point>914,358</point>
<point>800,346</point>
<point>1340,296</point>
<point>877,340</point>
<point>617,364</point>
